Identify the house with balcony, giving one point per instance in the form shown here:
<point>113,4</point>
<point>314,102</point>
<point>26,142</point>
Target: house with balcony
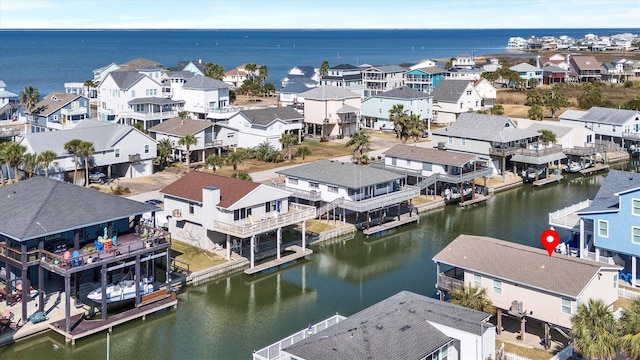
<point>349,187</point>
<point>196,67</point>
<point>424,79</point>
<point>211,137</point>
<point>555,59</point>
<point>552,74</point>
<point>403,326</point>
<point>486,91</point>
<point>525,283</point>
<point>236,76</point>
<point>52,218</point>
<point>344,76</point>
<point>614,127</point>
<point>331,111</point>
<point>58,111</point>
<point>463,73</point>
<point>528,72</point>
<point>375,109</point>
<point>213,211</point>
<point>120,150</point>
<point>380,79</point>
<point>8,103</point>
<point>451,98</point>
<point>495,139</point>
<point>150,111</point>
<point>258,126</point>
<point>301,73</point>
<point>120,87</point>
<point>617,71</point>
<point>584,69</point>
<point>201,95</point>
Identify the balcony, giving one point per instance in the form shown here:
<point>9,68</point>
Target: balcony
<point>447,283</point>
<point>311,195</point>
<point>9,132</point>
<point>404,194</point>
<point>146,116</point>
<point>297,213</point>
<point>466,175</point>
<point>503,152</point>
<point>631,135</point>
<point>76,111</point>
<point>567,218</point>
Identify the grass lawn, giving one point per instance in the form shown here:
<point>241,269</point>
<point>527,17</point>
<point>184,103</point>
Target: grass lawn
<point>197,258</point>
<point>534,354</point>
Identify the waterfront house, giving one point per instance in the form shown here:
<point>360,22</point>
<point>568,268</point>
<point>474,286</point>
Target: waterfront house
<point>120,87</point>
<point>486,91</point>
<point>428,63</point>
<point>52,217</point>
<point>452,98</point>
<point>555,59</point>
<point>610,126</point>
<point>208,210</point>
<point>584,69</point>
<point>464,60</point>
<point>424,79</point>
<point>201,95</point>
<point>525,283</point>
<point>528,72</point>
<point>552,74</point>
<point>197,67</point>
<point>569,136</point>
<point>304,73</point>
<point>101,73</point>
<point>331,111</point>
<point>379,79</point>
<point>8,103</point>
<point>289,95</point>
<point>403,326</point>
<point>344,76</point>
<point>150,111</point>
<point>463,73</point>
<point>495,139</point>
<point>350,187</point>
<point>236,76</point>
<point>375,109</point>
<point>211,137</point>
<point>120,150</point>
<point>266,125</point>
<point>58,111</point>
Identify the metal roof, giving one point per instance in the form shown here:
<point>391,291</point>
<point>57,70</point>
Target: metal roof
<point>486,127</point>
<point>329,93</point>
<point>339,173</point>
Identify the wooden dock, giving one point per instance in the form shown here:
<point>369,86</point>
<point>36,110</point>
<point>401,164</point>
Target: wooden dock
<point>298,253</point>
<point>81,327</point>
<point>475,200</point>
<point>548,180</point>
<point>593,169</point>
<point>404,219</point>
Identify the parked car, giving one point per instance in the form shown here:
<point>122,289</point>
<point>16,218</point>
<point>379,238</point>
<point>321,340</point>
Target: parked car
<point>154,202</point>
<point>98,178</point>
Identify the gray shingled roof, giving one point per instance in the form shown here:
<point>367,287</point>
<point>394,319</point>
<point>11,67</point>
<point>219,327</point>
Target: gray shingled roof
<point>180,127</point>
<point>388,69</point>
<point>398,327</point>
<point>126,79</point>
<point>486,128</point>
<point>600,115</point>
<point>329,93</point>
<point>433,156</point>
<point>559,130</point>
<point>524,67</point>
<point>294,87</point>
<point>268,115</point>
<point>432,70</point>
<point>403,92</point>
<point>554,69</point>
<point>615,182</point>
<point>340,173</point>
<point>199,82</point>
<point>524,265</point>
<point>39,206</point>
<point>344,67</point>
<point>449,91</point>
<point>53,102</point>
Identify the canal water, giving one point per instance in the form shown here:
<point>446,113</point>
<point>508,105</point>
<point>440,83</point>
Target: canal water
<point>229,319</point>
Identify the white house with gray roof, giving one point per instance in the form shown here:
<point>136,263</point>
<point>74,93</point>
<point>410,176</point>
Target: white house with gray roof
<point>266,125</point>
<point>120,87</point>
<point>58,111</point>
<point>6,97</point>
<point>569,136</point>
<point>609,125</point>
<point>331,111</point>
<point>344,76</point>
<point>452,98</point>
<point>528,72</point>
<point>379,79</point>
<point>201,95</point>
<point>375,109</point>
<point>120,150</point>
<point>403,326</point>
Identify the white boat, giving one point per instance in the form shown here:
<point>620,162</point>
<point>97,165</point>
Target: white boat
<point>453,194</point>
<point>530,174</point>
<point>575,166</point>
<point>122,290</point>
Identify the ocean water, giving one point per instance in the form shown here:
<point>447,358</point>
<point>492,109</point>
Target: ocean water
<point>46,59</point>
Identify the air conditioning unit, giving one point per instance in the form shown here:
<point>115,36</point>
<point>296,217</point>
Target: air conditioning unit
<point>516,307</point>
<point>442,146</point>
<point>177,213</point>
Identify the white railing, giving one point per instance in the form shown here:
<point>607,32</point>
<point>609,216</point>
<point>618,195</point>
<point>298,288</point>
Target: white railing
<point>564,354</point>
<point>511,356</point>
<point>561,217</point>
<point>297,213</point>
<point>77,111</point>
<point>628,294</point>
<point>405,193</point>
<point>603,259</point>
<point>148,116</point>
<point>272,351</point>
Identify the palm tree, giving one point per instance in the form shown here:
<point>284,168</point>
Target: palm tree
<point>629,326</point>
<point>164,149</point>
<point>45,159</point>
<point>251,68</point>
<point>72,147</point>
<point>214,161</point>
<point>594,330</point>
<point>324,68</point>
<point>30,163</point>
<point>474,297</point>
<point>303,152</point>
<point>287,139</point>
<point>187,141</point>
<point>242,175</point>
<point>263,74</point>
<point>29,98</point>
<point>399,118</point>
<point>535,112</point>
<point>234,159</point>
<point>214,71</point>
<point>415,127</point>
<point>14,156</point>
<point>360,143</point>
<point>2,162</point>
<point>89,84</point>
<point>86,149</point>
<point>183,115</point>
<point>547,136</point>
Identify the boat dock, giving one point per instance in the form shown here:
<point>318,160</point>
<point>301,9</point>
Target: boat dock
<point>548,180</point>
<point>82,327</point>
<point>298,253</point>
<point>595,168</point>
<point>404,219</point>
<point>477,199</point>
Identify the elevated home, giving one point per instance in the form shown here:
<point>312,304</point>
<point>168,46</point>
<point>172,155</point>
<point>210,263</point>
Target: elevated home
<point>235,77</point>
<point>424,79</point>
<point>299,73</point>
<point>197,67</point>
<point>58,111</point>
<point>266,125</point>
<point>526,282</point>
<point>211,137</point>
<point>120,87</point>
<point>208,209</point>
<point>553,74</point>
<point>350,187</point>
<point>528,72</point>
<point>584,69</point>
<point>120,150</point>
<point>618,126</point>
<point>486,91</point>
<point>576,141</point>
<point>376,108</point>
<point>424,64</point>
<point>463,73</point>
<point>405,325</point>
<point>290,93</point>
<point>452,98</point>
<point>201,95</point>
<point>344,76</point>
<point>150,111</point>
<point>331,111</point>
<point>379,79</point>
<point>495,139</point>
<point>8,103</point>
<point>52,217</point>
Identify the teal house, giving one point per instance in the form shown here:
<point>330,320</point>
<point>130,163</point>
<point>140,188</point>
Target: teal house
<point>424,79</point>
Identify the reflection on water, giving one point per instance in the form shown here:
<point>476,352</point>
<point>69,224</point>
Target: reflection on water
<point>230,318</point>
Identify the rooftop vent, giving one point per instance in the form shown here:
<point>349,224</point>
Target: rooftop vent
<point>406,327</point>
<point>379,326</point>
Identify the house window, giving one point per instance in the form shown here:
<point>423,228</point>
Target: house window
<point>477,280</point>
<point>333,189</point>
<point>146,149</point>
<point>191,210</point>
<point>566,306</point>
<point>381,186</point>
<point>394,161</point>
<point>461,104</point>
<point>603,228</point>
<point>450,140</point>
<point>497,287</point>
<point>635,207</point>
<point>615,281</point>
<point>241,213</point>
<point>139,107</point>
<point>463,142</point>
<point>468,92</point>
<point>117,153</point>
<point>408,162</point>
<point>230,135</point>
<point>635,234</point>
<point>313,185</point>
<point>427,166</point>
<point>293,181</point>
<point>133,93</point>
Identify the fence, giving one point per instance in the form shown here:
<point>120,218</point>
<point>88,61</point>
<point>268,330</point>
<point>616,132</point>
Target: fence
<point>628,294</point>
<point>564,354</point>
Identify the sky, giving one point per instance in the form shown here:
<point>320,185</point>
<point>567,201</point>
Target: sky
<point>316,14</point>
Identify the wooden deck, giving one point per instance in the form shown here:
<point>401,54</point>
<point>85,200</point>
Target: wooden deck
<point>298,253</point>
<point>404,219</point>
<point>593,169</point>
<point>548,180</point>
<point>81,327</point>
<point>475,200</point>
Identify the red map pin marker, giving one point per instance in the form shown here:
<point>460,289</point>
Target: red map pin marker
<point>550,239</point>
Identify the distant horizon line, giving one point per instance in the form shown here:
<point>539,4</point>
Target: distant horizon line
<point>310,29</point>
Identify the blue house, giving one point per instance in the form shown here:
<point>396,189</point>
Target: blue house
<point>376,108</point>
<point>613,219</point>
<point>424,79</point>
<point>59,111</point>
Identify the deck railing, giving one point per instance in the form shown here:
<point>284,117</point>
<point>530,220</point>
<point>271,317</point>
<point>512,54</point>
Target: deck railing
<point>311,195</point>
<point>405,193</point>
<point>448,283</point>
<point>561,217</point>
<point>297,213</point>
